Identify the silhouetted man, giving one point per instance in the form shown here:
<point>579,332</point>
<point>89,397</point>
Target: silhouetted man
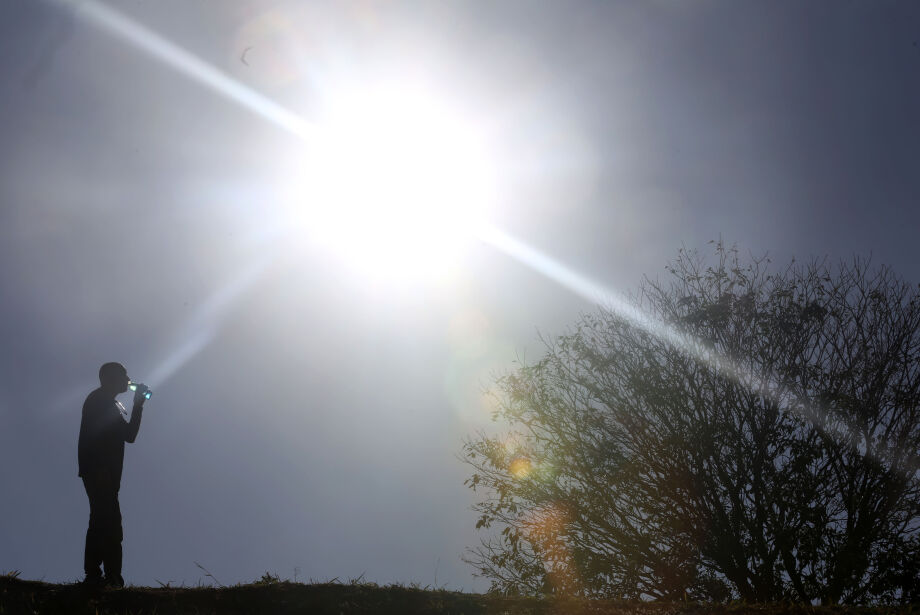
<point>101,451</point>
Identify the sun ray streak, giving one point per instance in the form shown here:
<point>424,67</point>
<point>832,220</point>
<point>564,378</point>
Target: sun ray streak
<point>585,287</point>
<point>204,324</point>
<point>145,39</point>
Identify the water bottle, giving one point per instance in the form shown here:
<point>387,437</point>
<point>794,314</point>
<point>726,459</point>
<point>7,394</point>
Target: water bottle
<point>145,390</point>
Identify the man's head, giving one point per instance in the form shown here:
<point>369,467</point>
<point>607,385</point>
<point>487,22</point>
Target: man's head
<point>114,378</point>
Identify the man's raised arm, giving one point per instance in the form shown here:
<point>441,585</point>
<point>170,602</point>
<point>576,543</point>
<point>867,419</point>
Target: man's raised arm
<point>135,423</point>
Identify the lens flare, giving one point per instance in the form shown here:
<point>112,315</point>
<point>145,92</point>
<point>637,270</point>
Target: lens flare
<point>520,467</point>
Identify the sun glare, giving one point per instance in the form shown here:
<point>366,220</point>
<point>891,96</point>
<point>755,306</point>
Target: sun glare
<point>395,182</point>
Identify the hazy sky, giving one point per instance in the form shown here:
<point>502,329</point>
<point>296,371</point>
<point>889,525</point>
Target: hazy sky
<point>307,415</point>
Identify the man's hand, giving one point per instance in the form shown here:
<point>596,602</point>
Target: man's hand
<point>140,396</point>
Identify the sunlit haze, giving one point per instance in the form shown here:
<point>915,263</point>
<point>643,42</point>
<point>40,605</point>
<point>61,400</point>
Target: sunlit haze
<point>320,230</point>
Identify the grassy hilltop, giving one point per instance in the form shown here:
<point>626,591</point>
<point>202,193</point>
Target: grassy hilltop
<point>18,596</point>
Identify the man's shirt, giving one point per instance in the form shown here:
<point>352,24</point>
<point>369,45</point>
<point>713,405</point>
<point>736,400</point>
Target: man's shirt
<point>103,433</point>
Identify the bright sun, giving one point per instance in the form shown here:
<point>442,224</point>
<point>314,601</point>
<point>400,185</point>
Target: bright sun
<point>395,182</point>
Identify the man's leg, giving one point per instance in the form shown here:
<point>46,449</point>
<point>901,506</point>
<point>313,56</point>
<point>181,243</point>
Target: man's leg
<point>92,554</point>
<point>114,536</point>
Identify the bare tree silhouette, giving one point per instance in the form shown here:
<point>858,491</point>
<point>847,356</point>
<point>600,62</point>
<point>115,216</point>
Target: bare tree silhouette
<point>773,455</point>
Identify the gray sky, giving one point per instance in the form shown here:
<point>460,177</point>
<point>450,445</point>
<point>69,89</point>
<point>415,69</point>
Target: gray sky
<point>306,415</point>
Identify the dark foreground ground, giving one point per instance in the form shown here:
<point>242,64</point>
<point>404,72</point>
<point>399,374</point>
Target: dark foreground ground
<point>281,598</point>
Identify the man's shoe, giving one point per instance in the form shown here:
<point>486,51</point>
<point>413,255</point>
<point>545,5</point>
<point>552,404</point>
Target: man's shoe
<point>114,581</point>
<point>93,581</point>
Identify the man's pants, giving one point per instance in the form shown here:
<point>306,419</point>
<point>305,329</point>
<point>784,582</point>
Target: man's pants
<point>104,535</point>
